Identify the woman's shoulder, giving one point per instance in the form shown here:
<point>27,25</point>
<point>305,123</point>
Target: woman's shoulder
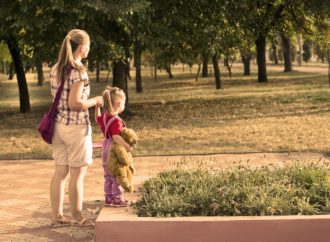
<point>77,75</point>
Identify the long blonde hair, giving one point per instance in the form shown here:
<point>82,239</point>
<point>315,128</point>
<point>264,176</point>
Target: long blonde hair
<point>110,96</point>
<point>71,42</point>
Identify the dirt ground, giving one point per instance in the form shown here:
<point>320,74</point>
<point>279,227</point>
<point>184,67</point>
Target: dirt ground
<point>24,189</point>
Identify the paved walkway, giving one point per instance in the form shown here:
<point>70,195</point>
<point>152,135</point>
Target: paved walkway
<point>24,190</point>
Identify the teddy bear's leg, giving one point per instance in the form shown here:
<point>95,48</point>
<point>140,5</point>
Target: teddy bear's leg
<point>122,180</point>
<point>130,179</point>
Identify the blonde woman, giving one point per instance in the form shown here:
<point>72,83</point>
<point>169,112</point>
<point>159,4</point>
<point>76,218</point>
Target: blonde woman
<point>72,140</point>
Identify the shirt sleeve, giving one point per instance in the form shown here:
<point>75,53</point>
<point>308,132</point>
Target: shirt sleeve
<point>116,127</point>
<point>77,76</point>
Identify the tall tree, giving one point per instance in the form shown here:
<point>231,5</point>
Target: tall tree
<point>286,42</point>
<point>11,28</point>
<point>22,84</point>
<point>5,57</point>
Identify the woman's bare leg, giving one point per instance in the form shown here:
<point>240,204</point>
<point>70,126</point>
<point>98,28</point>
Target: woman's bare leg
<point>76,190</point>
<point>57,186</point>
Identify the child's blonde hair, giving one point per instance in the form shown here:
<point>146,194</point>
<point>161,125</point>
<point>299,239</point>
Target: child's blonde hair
<point>111,95</point>
<point>71,42</point>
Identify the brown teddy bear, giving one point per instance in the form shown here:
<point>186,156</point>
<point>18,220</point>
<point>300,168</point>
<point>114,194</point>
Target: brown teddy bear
<point>120,162</point>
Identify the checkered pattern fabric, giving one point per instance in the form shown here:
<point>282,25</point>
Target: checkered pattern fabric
<point>66,115</point>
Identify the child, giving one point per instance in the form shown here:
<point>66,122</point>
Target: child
<point>111,125</point>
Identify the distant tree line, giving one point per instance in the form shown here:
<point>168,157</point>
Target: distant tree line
<point>163,33</point>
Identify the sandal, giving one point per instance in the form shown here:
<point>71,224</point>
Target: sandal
<point>82,223</point>
<point>61,221</point>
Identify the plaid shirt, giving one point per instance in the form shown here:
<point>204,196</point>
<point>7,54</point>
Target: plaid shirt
<point>65,115</point>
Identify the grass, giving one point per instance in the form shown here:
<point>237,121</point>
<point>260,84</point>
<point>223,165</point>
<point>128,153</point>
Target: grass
<point>294,190</point>
<point>182,116</point>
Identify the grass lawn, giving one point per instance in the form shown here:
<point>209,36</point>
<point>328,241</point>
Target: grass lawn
<point>181,116</point>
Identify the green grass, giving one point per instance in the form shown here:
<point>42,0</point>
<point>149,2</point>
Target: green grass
<point>294,190</point>
<point>182,116</point>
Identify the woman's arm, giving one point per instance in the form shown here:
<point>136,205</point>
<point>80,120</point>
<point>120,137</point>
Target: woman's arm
<point>97,112</point>
<point>119,140</point>
<point>75,101</point>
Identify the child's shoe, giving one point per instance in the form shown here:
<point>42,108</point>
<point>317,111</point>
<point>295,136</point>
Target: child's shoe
<point>119,203</point>
<point>108,202</point>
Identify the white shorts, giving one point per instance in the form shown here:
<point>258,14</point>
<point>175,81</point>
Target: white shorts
<point>72,145</point>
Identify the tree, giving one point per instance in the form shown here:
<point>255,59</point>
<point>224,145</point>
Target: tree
<point>5,58</point>
<point>307,50</point>
<point>259,18</point>
<point>205,69</point>
<point>10,32</point>
<point>286,42</point>
<point>322,39</point>
<point>273,54</point>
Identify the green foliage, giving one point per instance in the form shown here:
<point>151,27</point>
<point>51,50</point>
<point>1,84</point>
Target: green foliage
<point>296,189</point>
<point>4,53</point>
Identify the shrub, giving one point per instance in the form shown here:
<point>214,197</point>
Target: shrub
<point>293,190</point>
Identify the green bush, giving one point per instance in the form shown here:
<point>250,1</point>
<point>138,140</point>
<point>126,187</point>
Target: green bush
<point>293,190</point>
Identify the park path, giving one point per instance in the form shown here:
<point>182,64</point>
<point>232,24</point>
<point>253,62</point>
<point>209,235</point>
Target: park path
<point>24,190</point>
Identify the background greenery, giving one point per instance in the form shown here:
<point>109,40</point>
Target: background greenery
<point>161,34</point>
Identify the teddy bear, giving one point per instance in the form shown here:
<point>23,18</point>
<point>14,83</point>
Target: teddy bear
<point>120,162</point>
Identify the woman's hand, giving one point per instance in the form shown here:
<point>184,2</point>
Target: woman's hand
<point>99,101</point>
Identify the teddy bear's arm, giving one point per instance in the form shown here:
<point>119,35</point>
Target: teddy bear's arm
<point>123,156</point>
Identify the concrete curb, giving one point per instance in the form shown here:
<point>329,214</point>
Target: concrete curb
<point>119,225</point>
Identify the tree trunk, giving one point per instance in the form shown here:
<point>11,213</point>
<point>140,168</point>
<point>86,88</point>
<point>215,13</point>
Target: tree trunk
<point>40,73</point>
<point>128,70</point>
<point>216,71</point>
<point>151,71</point>
<point>198,71</point>
<point>120,76</point>
<point>168,70</point>
<point>155,72</point>
<point>286,53</point>
<point>97,71</point>
<point>328,56</point>
<point>275,58</point>
<point>137,62</point>
<point>11,72</point>
<point>261,58</point>
<point>107,78</point>
<point>299,58</point>
<point>4,68</point>
<point>228,66</point>
<point>246,59</point>
<point>205,70</point>
<point>24,98</point>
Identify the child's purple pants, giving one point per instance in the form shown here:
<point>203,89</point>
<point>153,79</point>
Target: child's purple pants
<point>112,190</point>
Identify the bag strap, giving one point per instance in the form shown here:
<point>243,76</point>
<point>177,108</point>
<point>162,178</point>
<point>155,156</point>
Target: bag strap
<point>60,89</point>
<point>107,125</point>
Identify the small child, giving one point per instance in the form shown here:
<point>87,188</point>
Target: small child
<point>111,125</point>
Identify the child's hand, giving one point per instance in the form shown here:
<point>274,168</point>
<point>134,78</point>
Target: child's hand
<point>99,101</point>
<point>128,148</point>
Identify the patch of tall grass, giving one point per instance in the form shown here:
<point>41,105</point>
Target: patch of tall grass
<point>293,190</point>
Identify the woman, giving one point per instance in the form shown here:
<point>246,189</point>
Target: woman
<point>72,140</point>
